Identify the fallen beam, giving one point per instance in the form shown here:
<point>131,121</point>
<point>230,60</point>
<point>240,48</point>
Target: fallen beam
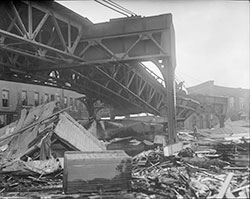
<point>225,186</point>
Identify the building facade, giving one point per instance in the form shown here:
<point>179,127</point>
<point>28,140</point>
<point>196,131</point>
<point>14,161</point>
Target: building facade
<point>238,102</point>
<point>16,96</point>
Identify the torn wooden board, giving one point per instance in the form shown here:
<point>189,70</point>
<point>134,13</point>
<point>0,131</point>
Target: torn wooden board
<point>43,166</point>
<point>75,134</point>
<point>38,114</point>
<point>93,129</point>
<point>15,140</point>
<point>229,194</point>
<point>19,143</point>
<point>225,186</point>
<point>37,166</point>
<point>173,149</point>
<point>241,188</point>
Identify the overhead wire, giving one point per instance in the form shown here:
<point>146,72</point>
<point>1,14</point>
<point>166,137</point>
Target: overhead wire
<point>120,7</point>
<point>191,76</point>
<point>112,8</point>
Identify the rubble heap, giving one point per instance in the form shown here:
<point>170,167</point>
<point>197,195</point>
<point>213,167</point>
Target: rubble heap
<point>32,148</point>
<point>32,160</point>
<point>157,176</point>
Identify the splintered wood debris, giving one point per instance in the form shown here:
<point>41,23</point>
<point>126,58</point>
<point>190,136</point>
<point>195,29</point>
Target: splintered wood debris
<point>32,161</point>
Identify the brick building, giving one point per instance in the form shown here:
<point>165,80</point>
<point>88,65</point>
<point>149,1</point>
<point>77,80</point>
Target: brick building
<point>238,101</point>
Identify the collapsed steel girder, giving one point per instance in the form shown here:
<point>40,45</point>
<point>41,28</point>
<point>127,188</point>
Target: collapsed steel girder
<point>46,43</point>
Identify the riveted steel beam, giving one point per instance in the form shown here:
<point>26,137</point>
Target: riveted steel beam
<point>106,57</point>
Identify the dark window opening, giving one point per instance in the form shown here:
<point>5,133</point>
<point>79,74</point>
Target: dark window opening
<point>46,98</point>
<point>52,97</point>
<point>71,103</point>
<point>24,98</point>
<point>65,101</point>
<point>5,98</point>
<point>58,98</point>
<point>36,97</point>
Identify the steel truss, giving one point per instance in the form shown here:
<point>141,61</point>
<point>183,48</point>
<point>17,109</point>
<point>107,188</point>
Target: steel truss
<point>48,44</point>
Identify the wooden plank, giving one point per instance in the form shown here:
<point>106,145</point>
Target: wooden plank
<point>34,124</point>
<point>76,135</point>
<point>229,194</point>
<point>242,195</point>
<point>240,189</point>
<point>225,186</point>
<point>16,140</point>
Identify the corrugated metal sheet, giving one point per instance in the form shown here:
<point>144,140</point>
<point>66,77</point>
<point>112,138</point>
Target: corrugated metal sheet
<point>73,133</point>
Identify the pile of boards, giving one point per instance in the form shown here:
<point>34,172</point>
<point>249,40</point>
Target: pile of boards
<point>32,148</point>
<point>32,160</point>
<point>188,175</point>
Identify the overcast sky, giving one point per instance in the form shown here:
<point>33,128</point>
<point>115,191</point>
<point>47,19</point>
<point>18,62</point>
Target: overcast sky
<point>212,37</point>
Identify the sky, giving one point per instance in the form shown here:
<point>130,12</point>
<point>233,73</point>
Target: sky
<point>211,37</point>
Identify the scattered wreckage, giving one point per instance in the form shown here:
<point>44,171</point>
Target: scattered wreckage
<point>47,153</point>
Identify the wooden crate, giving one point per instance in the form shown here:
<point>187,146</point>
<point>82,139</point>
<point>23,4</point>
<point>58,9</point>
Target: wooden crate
<point>98,171</point>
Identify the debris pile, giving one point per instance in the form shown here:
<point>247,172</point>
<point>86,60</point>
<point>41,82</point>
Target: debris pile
<point>32,158</point>
<point>32,176</point>
<point>42,132</point>
<point>158,176</point>
<point>32,148</point>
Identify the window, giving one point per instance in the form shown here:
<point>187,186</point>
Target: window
<point>71,103</point>
<point>46,98</point>
<point>75,104</point>
<point>241,103</point>
<point>24,98</point>
<point>5,98</point>
<point>2,121</point>
<point>231,102</point>
<point>65,101</point>
<point>36,98</point>
<point>52,97</point>
<point>58,98</point>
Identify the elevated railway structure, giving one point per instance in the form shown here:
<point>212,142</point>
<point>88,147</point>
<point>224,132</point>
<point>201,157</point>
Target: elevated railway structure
<point>46,43</point>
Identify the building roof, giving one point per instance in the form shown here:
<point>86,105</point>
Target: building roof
<point>208,88</point>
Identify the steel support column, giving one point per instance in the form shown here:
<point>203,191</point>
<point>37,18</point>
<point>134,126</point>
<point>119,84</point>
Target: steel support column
<point>169,64</point>
<point>171,99</point>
